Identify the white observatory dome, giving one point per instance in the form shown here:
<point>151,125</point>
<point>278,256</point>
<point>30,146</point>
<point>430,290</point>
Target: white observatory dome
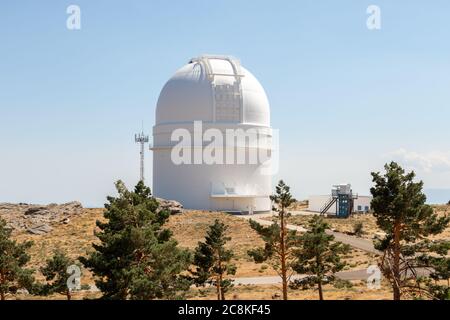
<point>223,95</point>
<point>189,96</point>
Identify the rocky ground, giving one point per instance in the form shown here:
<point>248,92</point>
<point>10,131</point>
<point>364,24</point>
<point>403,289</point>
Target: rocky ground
<point>38,219</point>
<point>41,219</point>
<point>174,207</point>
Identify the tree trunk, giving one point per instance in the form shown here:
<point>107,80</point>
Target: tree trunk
<point>396,265</point>
<point>283,255</point>
<point>68,295</point>
<point>222,293</point>
<point>2,294</point>
<point>218,282</point>
<point>319,283</point>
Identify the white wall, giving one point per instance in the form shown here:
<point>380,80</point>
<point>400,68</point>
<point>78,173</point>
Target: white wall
<point>193,184</point>
<point>317,202</point>
<point>364,202</point>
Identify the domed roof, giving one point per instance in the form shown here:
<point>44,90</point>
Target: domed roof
<point>213,89</point>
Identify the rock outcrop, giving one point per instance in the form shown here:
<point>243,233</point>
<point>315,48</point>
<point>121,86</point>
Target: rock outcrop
<point>38,219</point>
<point>174,207</point>
<point>41,219</point>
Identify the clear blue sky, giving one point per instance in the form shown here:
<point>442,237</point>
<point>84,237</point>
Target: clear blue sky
<point>346,99</point>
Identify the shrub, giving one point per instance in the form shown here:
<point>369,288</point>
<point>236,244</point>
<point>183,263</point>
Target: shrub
<point>358,229</point>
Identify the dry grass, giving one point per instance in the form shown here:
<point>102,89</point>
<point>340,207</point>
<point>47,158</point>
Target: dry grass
<point>370,227</point>
<point>442,210</point>
<point>343,225</point>
<point>358,291</point>
<point>358,259</point>
<point>299,205</point>
<point>190,228</point>
<point>76,239</point>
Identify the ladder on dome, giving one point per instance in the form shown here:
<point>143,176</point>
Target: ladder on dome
<point>227,97</point>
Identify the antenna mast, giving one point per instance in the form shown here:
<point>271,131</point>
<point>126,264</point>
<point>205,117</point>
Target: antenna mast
<point>142,139</point>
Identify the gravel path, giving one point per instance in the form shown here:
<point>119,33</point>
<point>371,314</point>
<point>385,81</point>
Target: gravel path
<point>358,243</point>
<point>344,275</point>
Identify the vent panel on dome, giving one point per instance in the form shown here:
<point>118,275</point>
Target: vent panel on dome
<point>228,103</point>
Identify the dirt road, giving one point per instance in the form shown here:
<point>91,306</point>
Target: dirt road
<point>358,243</point>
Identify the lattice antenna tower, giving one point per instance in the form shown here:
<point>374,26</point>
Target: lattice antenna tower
<point>142,139</point>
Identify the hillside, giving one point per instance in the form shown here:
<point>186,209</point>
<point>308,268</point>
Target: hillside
<point>370,227</point>
<point>77,235</point>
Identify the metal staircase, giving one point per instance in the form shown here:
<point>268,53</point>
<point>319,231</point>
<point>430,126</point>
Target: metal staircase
<point>327,205</point>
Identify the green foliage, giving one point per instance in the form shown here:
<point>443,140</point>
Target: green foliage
<point>433,256</point>
<point>137,258</point>
<point>282,197</point>
<point>13,259</point>
<point>271,235</point>
<point>398,199</point>
<point>318,255</point>
<point>279,241</point>
<point>342,284</point>
<point>400,208</point>
<point>56,275</point>
<point>358,229</point>
<point>212,260</point>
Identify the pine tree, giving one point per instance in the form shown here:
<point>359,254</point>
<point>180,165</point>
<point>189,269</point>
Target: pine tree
<point>433,257</point>
<point>137,258</point>
<point>318,256</point>
<point>56,275</point>
<point>13,259</point>
<point>212,260</point>
<point>279,241</point>
<point>400,210</point>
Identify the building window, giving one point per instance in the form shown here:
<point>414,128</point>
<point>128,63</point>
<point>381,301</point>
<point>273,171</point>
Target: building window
<point>359,208</point>
<point>366,208</point>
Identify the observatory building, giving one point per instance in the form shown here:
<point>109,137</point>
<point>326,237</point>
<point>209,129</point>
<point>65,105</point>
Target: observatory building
<point>202,113</point>
<point>341,202</point>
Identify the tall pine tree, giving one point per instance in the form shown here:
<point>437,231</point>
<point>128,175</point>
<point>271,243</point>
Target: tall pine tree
<point>279,241</point>
<point>137,258</point>
<point>212,260</point>
<point>400,210</point>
